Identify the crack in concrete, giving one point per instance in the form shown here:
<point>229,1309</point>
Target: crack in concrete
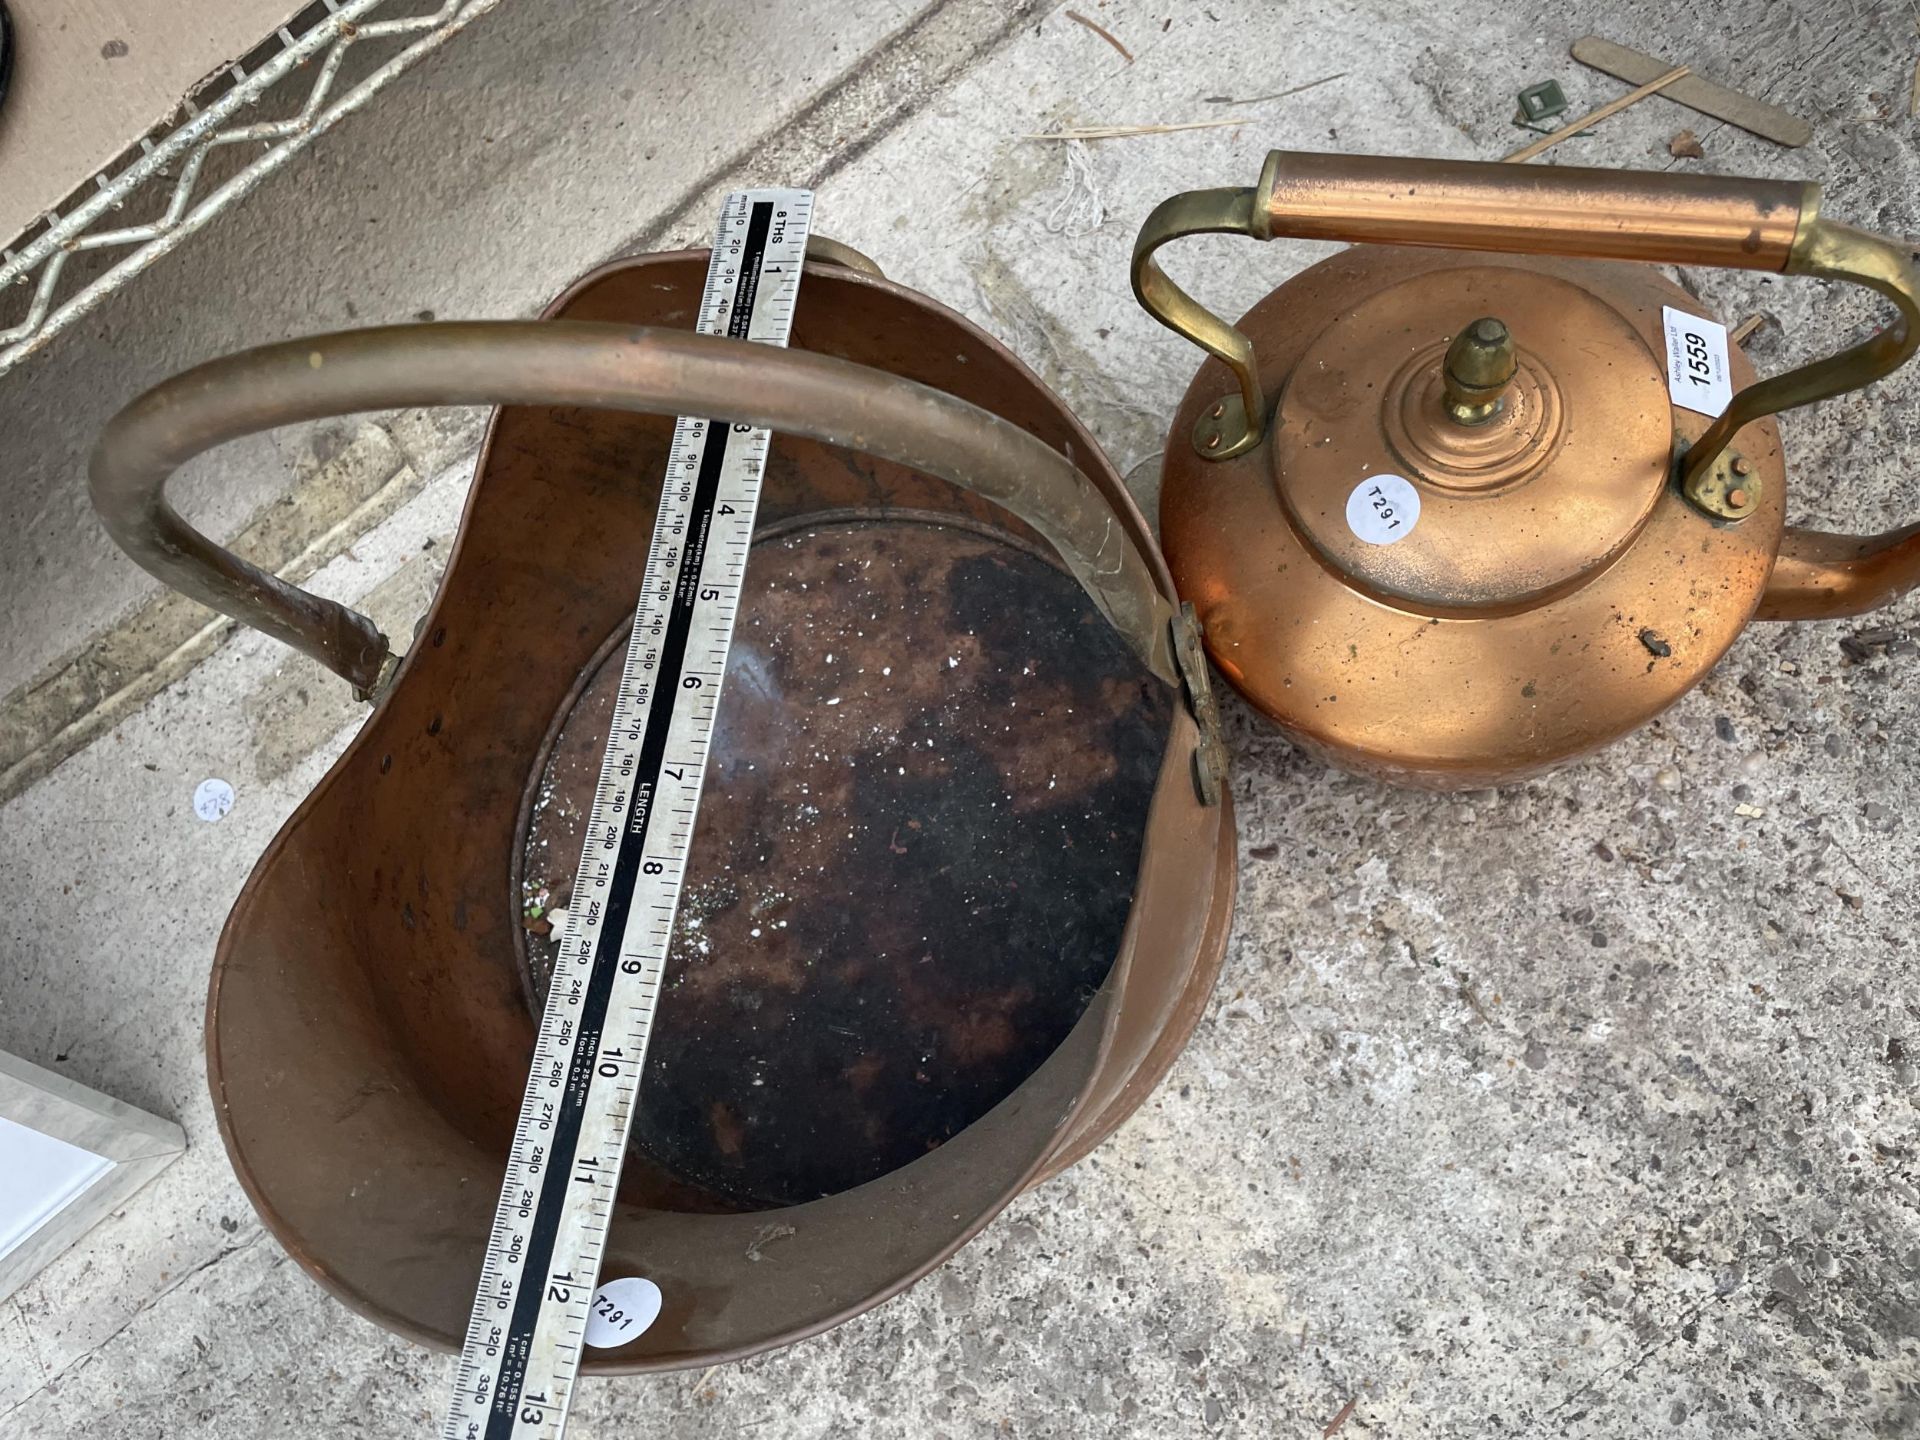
<point>20,1319</point>
<point>1628,1369</point>
<point>895,80</point>
<point>51,1380</point>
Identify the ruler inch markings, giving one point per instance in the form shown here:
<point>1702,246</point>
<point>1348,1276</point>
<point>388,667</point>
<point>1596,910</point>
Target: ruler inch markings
<point>517,1368</point>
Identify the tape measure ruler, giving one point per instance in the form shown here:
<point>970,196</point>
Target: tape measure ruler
<point>536,1294</point>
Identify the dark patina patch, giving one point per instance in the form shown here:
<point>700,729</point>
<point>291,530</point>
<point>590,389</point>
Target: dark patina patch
<point>914,862</point>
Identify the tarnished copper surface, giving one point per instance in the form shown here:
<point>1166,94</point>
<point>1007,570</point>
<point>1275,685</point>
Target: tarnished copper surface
<point>1513,510</point>
<point>1658,217</point>
<point>1655,216</point>
<point>1823,576</point>
<point>917,849</point>
<point>368,1027</point>
<point>1414,690</point>
<point>1585,549</point>
<point>652,371</point>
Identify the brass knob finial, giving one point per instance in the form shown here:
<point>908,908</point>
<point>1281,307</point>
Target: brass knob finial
<point>1479,365</point>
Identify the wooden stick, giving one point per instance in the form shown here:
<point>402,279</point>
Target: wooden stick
<point>1547,142</point>
<point>1278,94</point>
<point>1340,1419</point>
<point>1127,132</point>
<point>1104,33</point>
<point>1696,92</point>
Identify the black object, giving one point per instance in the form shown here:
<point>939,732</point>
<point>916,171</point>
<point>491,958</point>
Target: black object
<point>806,1044</point>
<point>6,50</point>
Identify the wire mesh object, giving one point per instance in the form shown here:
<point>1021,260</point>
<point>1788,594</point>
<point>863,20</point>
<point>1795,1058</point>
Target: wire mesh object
<point>322,65</point>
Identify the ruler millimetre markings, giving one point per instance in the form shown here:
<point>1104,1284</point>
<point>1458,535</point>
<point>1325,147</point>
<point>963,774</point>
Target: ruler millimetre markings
<point>522,1352</point>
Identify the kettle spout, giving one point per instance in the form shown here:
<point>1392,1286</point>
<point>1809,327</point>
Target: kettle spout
<point>1823,576</point>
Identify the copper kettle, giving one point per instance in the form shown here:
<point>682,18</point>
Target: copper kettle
<point>1455,514</point>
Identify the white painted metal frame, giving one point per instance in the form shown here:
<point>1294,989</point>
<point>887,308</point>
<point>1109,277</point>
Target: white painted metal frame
<point>177,157</point>
<point>138,1146</point>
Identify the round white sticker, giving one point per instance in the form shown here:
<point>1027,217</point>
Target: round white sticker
<point>212,799</point>
<point>1383,509</point>
<point>622,1310</point>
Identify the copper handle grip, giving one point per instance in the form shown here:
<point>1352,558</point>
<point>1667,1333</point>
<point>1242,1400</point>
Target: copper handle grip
<point>555,362</point>
<point>1482,205</point>
<point>1543,210</point>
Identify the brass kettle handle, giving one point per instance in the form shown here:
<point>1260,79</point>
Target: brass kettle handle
<point>1553,210</point>
<point>564,362</point>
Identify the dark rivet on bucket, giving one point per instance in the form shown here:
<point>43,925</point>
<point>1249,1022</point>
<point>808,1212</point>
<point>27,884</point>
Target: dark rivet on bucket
<point>386,763</point>
<point>440,636</point>
<point>434,727</point>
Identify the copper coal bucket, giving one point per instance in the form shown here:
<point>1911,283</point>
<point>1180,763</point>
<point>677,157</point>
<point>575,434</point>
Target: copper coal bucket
<point>940,937</point>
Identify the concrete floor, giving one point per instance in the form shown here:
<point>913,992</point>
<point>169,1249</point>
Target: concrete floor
<point>1581,1108</point>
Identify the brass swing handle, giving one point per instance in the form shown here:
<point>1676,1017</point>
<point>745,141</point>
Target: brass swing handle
<point>1598,214</point>
<point>562,362</point>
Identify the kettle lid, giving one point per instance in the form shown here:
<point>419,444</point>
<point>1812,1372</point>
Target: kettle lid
<point>1473,439</point>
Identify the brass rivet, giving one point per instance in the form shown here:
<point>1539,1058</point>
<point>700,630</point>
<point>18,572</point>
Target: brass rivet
<point>1219,410</point>
<point>1213,442</point>
<point>1742,465</point>
<point>1737,499</point>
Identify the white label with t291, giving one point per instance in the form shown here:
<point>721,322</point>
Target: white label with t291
<point>1697,375</point>
<point>535,1306</point>
<point>1383,509</point>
